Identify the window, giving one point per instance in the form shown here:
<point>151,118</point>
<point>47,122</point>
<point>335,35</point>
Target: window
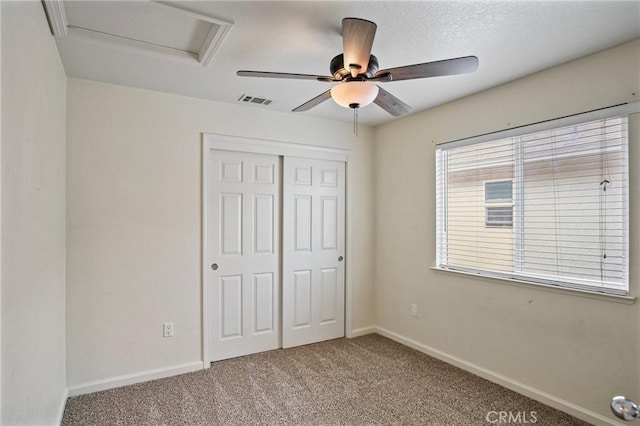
<point>499,216</point>
<point>549,207</point>
<point>498,198</point>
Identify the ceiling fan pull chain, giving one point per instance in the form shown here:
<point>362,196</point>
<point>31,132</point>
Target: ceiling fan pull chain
<point>355,121</point>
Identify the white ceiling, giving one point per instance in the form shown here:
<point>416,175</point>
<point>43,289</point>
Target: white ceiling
<point>511,39</point>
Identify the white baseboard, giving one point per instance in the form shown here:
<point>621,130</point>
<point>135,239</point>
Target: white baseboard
<point>361,332</point>
<point>130,379</point>
<point>533,393</point>
<point>61,406</point>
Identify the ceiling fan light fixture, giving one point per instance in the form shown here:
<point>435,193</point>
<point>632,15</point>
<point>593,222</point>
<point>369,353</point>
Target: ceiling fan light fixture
<point>354,94</point>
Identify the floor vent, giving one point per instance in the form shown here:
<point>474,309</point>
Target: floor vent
<point>254,100</point>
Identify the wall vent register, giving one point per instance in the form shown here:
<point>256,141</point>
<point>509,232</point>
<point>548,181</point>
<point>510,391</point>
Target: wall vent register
<point>254,100</point>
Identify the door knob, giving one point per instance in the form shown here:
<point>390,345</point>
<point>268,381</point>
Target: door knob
<point>214,266</point>
<point>624,408</point>
<point>340,259</point>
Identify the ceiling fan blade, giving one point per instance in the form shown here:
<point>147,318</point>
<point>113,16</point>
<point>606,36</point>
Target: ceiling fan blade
<point>313,102</point>
<point>267,74</point>
<point>390,103</point>
<point>454,66</point>
<point>357,41</point>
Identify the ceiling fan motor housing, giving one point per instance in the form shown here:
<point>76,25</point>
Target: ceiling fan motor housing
<point>339,71</point>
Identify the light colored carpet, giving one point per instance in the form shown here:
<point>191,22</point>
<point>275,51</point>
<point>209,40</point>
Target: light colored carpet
<point>369,380</point>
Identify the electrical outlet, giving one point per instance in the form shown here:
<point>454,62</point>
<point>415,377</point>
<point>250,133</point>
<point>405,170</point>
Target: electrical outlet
<point>167,329</point>
<point>414,310</point>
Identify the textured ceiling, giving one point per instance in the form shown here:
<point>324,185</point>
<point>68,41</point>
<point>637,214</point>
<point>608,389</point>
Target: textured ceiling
<point>511,39</point>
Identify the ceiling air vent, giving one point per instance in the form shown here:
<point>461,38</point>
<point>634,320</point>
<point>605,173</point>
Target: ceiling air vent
<point>254,100</point>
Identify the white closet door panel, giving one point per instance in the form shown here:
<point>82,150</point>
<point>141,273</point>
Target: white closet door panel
<point>264,219</point>
<point>231,224</point>
<point>329,300</point>
<point>230,307</point>
<point>301,298</point>
<point>244,244</point>
<point>329,223</point>
<point>313,250</point>
<point>263,303</point>
<point>302,223</point>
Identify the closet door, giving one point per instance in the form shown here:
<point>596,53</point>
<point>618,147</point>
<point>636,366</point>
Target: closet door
<point>313,250</point>
<point>244,253</point>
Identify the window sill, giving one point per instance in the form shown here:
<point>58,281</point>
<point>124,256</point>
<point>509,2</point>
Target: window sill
<point>628,300</point>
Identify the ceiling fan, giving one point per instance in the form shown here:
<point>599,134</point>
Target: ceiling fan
<point>356,71</point>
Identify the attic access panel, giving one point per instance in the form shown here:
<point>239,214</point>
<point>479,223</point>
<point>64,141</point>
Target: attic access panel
<point>155,26</point>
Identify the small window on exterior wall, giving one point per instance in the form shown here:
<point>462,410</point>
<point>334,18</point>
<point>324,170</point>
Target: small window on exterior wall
<point>498,198</point>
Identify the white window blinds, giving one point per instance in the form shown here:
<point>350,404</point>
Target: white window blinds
<point>548,207</point>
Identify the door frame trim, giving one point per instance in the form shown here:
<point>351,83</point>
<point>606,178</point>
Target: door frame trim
<point>211,141</point>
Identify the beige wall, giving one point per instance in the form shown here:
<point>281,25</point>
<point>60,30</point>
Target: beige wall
<point>33,218</point>
<point>134,220</point>
<point>578,351</point>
